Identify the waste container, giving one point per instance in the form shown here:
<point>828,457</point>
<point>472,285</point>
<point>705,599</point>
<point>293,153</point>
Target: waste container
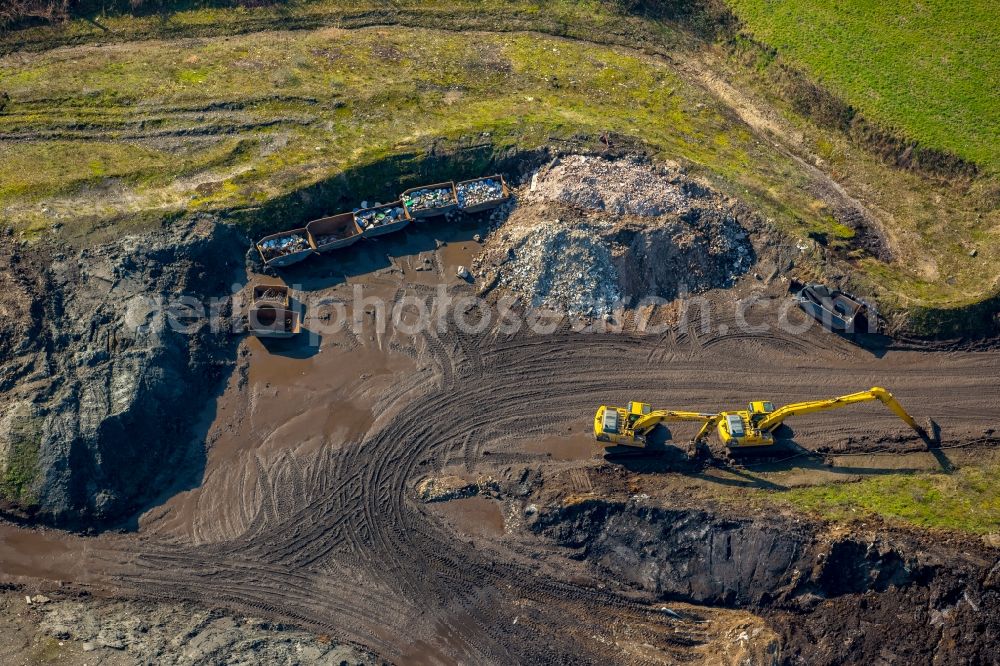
<point>270,293</point>
<point>334,232</point>
<point>430,200</point>
<point>479,194</point>
<point>272,320</point>
<point>383,219</point>
<point>285,248</point>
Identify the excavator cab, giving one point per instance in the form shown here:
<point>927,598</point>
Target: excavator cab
<point>738,430</point>
<point>758,410</point>
<point>606,423</point>
<point>636,410</point>
<point>614,425</point>
<point>630,425</point>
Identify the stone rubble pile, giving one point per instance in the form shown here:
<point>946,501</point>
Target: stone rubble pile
<point>619,187</point>
<point>565,267</point>
<point>589,234</point>
<point>127,632</point>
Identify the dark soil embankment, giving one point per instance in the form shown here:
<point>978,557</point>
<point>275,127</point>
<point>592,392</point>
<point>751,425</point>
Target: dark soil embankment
<point>384,179</point>
<point>101,386</point>
<point>834,599</point>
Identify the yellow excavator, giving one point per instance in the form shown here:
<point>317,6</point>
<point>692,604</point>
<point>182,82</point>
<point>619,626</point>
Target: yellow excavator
<point>745,431</point>
<point>628,426</point>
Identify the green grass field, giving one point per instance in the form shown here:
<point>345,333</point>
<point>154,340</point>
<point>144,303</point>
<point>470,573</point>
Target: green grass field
<point>966,500</point>
<point>928,68</point>
<point>212,124</point>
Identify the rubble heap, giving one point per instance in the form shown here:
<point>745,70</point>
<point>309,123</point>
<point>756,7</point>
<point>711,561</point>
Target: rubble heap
<point>564,266</point>
<point>588,232</point>
<point>618,187</point>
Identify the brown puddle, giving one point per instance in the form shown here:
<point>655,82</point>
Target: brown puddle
<point>448,245</point>
<point>473,515</point>
<point>39,554</point>
<point>577,446</point>
<point>457,253</point>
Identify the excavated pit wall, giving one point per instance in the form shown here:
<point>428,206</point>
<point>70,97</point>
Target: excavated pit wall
<point>834,599</point>
<point>101,395</point>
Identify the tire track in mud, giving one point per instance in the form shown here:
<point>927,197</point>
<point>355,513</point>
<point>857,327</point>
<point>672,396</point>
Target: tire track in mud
<point>341,543</point>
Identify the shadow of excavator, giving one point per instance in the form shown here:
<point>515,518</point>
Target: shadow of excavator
<point>713,463</point>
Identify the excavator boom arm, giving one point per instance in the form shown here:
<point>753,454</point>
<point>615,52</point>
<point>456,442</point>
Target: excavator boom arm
<point>707,428</point>
<point>649,421</point>
<point>775,418</point>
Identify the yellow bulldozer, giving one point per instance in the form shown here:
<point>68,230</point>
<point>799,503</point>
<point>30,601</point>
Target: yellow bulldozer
<point>746,431</point>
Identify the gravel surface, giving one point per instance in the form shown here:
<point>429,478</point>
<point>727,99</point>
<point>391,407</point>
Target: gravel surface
<point>619,187</point>
<point>91,630</point>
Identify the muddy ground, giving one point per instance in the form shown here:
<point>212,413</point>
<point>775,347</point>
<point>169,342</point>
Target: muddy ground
<point>434,496</point>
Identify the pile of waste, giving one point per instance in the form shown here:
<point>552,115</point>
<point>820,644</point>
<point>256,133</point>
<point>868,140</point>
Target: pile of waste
<point>380,216</point>
<point>618,187</point>
<point>326,239</point>
<point>479,192</point>
<point>430,198</point>
<point>279,294</point>
<point>590,233</point>
<point>279,247</point>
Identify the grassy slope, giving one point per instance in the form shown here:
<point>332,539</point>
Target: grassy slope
<point>101,135</point>
<point>230,122</point>
<point>928,68</point>
<point>575,18</point>
<point>967,500</point>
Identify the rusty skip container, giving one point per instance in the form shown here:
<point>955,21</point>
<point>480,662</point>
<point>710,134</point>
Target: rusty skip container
<point>384,219</point>
<point>334,232</point>
<point>273,320</point>
<point>430,200</point>
<point>479,194</point>
<point>285,248</point>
